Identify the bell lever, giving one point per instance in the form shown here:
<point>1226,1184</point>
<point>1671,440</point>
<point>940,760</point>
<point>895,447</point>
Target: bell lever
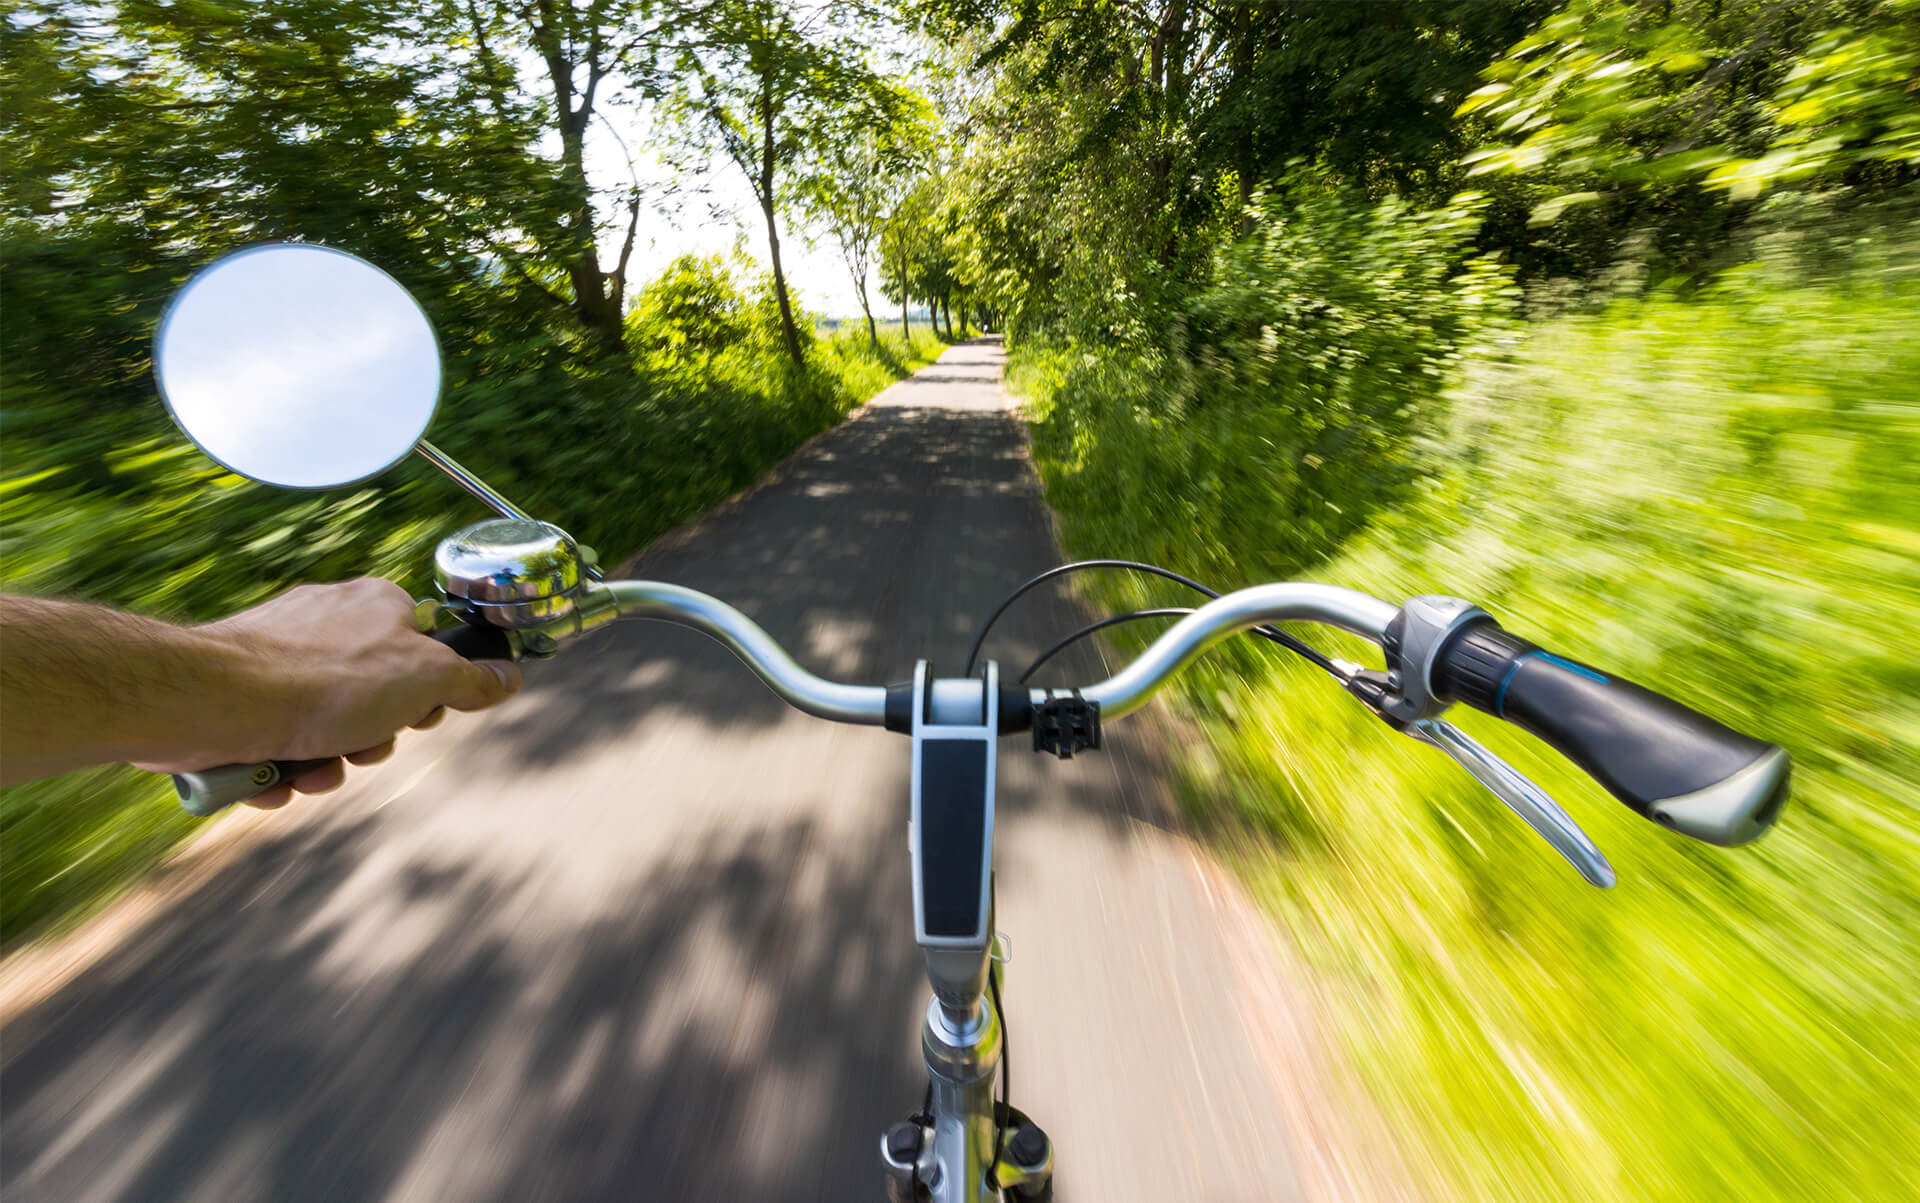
<point>1522,796</point>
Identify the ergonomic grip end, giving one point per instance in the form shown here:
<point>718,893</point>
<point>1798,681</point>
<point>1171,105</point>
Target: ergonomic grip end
<point>1735,811</point>
<point>1669,763</point>
<point>211,791</point>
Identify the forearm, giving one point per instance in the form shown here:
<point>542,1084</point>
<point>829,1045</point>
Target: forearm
<point>82,684</point>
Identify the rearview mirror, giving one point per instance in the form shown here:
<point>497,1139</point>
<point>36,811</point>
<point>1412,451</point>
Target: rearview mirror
<point>298,365</point>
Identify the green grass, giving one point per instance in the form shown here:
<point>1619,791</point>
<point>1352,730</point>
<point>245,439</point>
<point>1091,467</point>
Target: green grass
<point>1719,498</point>
<point>68,843</point>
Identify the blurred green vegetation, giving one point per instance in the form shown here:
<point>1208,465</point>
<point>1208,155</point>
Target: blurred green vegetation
<point>139,518</point>
<point>1714,496</point>
<point>1604,314</point>
<point>1601,312</point>
<point>140,140</point>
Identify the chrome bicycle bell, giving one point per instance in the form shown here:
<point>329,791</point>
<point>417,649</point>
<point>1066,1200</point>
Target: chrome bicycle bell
<point>510,572</point>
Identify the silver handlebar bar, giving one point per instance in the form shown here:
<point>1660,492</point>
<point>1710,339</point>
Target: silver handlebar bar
<point>1129,689</point>
<point>594,603</point>
<point>861,704</point>
<point>1123,693</point>
<point>1120,694</point>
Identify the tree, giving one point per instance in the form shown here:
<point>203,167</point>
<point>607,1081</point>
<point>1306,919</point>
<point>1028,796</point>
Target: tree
<point>771,84</point>
<point>584,51</point>
<point>857,181</point>
<point>694,305</point>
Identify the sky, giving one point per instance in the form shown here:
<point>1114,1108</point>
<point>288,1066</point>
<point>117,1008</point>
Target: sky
<point>706,215</point>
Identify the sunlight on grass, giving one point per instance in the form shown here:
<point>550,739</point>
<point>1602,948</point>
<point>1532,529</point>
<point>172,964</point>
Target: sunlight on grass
<point>1717,498</point>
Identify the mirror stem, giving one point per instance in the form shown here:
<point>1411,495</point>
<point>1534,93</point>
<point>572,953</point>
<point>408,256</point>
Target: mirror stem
<point>471,483</point>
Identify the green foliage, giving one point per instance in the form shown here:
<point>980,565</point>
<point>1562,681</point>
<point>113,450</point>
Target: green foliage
<point>1302,379</point>
<point>1711,496</point>
<point>771,86</point>
<point>693,306</point>
<point>152,525</point>
<point>1618,119</point>
<point>1121,145</point>
<point>140,140</point>
<point>860,179</point>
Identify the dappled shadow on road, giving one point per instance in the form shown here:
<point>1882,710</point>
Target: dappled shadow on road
<point>523,990</point>
<point>613,1060</point>
<point>891,540</point>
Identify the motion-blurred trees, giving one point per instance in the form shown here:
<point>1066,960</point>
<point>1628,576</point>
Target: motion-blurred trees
<point>1120,147</point>
<point>1664,123</point>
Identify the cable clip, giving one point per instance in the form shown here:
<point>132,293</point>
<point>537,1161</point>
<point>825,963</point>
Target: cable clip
<point>1066,723</point>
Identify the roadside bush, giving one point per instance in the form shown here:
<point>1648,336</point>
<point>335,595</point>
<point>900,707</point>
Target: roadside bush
<point>1711,495</point>
<point>1286,409</point>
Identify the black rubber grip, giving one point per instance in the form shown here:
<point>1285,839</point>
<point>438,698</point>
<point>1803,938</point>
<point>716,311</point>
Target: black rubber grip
<point>477,641</point>
<point>211,791</point>
<point>1669,763</point>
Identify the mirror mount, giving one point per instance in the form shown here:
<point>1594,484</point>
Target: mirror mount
<point>471,483</point>
<point>589,561</point>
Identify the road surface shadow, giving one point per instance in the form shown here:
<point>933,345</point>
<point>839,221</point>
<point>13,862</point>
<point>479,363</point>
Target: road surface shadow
<point>395,1002</point>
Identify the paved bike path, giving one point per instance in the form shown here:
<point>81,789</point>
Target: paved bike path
<point>645,933</point>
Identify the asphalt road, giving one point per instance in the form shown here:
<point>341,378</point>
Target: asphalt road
<point>644,933</point>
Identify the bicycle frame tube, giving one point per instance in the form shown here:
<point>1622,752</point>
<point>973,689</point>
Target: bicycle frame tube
<point>962,1060</point>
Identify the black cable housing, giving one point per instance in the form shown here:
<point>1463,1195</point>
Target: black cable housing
<point>1268,632</point>
<point>1112,621</point>
<point>1000,1122</point>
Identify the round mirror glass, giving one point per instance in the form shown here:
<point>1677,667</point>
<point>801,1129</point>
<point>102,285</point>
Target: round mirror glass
<point>298,365</point>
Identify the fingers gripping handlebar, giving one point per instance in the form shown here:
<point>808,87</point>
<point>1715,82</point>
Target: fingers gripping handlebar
<point>210,791</point>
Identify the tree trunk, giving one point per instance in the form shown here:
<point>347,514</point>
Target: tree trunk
<point>963,319</point>
<point>789,334</point>
<point>906,299</point>
<point>787,330</point>
<point>946,311</point>
<point>597,311</point>
<point>873,331</point>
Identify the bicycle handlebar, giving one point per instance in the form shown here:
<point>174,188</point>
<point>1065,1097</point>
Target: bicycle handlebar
<point>1129,689</point>
<point>1667,762</point>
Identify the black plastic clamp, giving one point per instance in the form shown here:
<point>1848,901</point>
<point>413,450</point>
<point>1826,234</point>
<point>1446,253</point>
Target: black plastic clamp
<point>1066,723</point>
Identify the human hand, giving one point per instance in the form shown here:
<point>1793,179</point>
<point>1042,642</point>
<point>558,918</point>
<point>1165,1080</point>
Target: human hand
<point>333,672</point>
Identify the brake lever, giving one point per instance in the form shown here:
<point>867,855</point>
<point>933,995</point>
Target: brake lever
<point>1522,797</point>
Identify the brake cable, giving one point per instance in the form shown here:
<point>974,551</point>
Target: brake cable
<point>1268,632</point>
<point>1110,621</point>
